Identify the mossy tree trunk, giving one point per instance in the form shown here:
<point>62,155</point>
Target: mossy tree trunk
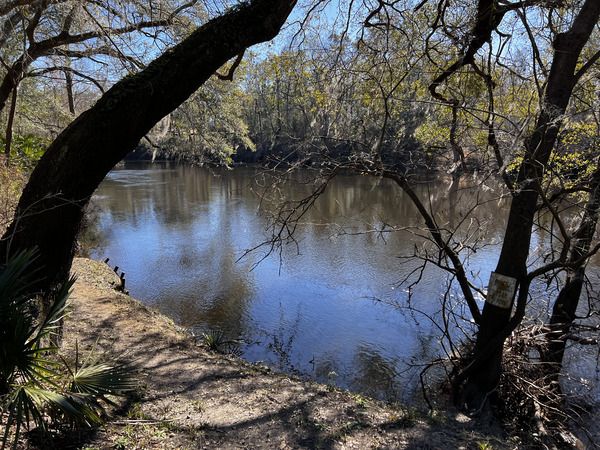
<point>51,207</point>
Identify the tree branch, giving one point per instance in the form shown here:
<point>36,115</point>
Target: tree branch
<point>229,75</point>
<point>42,72</point>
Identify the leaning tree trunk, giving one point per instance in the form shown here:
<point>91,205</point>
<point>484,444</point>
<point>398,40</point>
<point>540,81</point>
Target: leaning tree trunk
<point>51,207</point>
<point>483,375</point>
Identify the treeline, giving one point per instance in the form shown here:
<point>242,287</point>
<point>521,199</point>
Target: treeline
<point>362,95</point>
<point>370,97</point>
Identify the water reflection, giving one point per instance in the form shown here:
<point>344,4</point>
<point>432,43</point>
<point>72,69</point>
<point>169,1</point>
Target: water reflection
<point>178,232</point>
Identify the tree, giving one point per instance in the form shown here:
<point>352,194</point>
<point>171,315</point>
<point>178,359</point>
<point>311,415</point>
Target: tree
<point>52,204</point>
<point>473,88</point>
<point>89,40</point>
<point>338,95</point>
<point>471,79</point>
<point>208,127</point>
<point>64,32</point>
<point>496,321</point>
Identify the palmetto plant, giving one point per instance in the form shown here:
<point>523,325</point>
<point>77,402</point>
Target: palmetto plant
<point>37,385</point>
<point>216,341</point>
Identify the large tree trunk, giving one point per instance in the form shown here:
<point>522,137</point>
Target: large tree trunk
<point>496,324</point>
<point>51,207</point>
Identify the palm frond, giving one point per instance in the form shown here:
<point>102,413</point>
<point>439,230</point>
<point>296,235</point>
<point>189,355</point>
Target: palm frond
<point>58,311</point>
<point>31,383</point>
<point>76,408</point>
<point>16,277</point>
<point>103,379</point>
<point>21,408</point>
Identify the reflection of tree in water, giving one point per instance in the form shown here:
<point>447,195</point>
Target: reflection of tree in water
<point>176,192</point>
<point>375,375</point>
<point>92,234</point>
<point>217,297</point>
<point>396,378</point>
<point>281,340</point>
<point>368,372</point>
<point>183,227</point>
<point>439,329</point>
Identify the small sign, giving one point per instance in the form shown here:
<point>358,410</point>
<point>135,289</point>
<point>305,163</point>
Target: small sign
<point>501,290</point>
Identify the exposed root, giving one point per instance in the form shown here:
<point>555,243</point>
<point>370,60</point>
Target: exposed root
<point>530,401</point>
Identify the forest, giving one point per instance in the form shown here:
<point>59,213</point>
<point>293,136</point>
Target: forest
<point>384,89</point>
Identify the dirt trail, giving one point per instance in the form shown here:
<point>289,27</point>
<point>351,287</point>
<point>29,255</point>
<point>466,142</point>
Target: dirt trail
<point>192,398</point>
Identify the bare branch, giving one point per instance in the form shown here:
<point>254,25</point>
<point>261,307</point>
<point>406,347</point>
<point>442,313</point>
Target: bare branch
<point>587,66</point>
<point>536,52</point>
<point>9,6</point>
<point>90,52</point>
<point>9,25</point>
<point>229,75</point>
<point>41,72</point>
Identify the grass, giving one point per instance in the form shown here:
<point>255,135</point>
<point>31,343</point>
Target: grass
<point>121,443</point>
<point>408,419</point>
<point>361,401</point>
<point>331,385</point>
<point>217,342</point>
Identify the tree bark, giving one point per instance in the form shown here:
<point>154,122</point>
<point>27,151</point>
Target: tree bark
<point>69,87</point>
<point>9,126</point>
<point>567,302</point>
<point>512,262</point>
<point>52,204</point>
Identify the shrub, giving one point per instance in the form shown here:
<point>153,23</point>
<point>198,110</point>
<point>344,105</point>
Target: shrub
<point>37,386</point>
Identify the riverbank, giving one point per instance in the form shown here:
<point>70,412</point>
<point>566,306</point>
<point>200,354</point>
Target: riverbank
<point>190,397</point>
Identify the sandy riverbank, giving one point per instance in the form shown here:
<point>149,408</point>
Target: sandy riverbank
<point>190,397</point>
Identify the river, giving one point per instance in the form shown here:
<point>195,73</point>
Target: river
<point>331,305</point>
